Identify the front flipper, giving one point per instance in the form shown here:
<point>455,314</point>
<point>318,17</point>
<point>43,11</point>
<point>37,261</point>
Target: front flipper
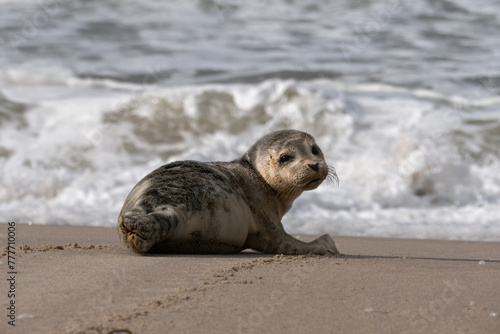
<point>274,243</point>
<point>323,245</point>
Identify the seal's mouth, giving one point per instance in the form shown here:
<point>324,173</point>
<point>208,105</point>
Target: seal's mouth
<point>313,182</point>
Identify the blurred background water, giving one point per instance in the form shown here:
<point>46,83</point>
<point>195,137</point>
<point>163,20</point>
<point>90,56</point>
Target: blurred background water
<point>402,96</point>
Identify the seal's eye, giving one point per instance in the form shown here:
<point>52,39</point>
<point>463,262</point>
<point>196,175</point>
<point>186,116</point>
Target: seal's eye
<point>315,150</point>
<point>285,158</point>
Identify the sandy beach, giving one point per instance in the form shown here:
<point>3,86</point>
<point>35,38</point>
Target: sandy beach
<point>81,280</point>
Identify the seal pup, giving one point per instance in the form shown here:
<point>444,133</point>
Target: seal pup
<point>224,207</point>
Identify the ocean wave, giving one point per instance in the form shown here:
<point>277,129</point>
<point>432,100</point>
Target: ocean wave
<point>411,164</point>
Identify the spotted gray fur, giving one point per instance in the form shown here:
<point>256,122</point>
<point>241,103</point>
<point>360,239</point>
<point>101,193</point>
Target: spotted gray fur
<point>225,207</point>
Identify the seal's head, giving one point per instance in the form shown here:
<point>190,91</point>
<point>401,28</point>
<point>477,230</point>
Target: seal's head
<point>290,161</point>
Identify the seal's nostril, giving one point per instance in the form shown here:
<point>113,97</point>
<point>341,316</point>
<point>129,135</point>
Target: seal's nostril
<point>314,166</point>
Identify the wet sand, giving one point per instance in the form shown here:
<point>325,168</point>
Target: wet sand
<point>82,280</point>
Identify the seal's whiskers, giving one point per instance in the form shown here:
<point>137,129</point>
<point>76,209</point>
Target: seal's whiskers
<point>332,176</point>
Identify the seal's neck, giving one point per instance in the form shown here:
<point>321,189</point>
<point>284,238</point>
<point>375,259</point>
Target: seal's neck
<point>285,200</point>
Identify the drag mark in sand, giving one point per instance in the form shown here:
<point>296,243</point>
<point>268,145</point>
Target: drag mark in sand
<point>185,297</point>
<point>11,273</point>
<point>290,281</point>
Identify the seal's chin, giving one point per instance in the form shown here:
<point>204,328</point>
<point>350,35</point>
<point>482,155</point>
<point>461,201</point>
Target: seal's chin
<point>313,184</point>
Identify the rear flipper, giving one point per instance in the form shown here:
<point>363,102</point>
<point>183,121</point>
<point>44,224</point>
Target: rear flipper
<point>140,231</point>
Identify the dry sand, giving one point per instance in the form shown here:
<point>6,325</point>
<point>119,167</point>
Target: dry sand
<point>378,286</point>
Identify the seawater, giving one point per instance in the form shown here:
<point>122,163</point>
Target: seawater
<point>403,98</point>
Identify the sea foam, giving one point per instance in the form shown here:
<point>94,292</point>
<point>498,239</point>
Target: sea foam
<point>410,163</point>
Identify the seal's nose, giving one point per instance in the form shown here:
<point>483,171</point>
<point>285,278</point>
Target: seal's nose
<point>314,167</point>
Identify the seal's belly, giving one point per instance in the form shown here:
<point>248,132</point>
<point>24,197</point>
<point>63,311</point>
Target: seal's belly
<point>229,221</point>
<point>205,232</point>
